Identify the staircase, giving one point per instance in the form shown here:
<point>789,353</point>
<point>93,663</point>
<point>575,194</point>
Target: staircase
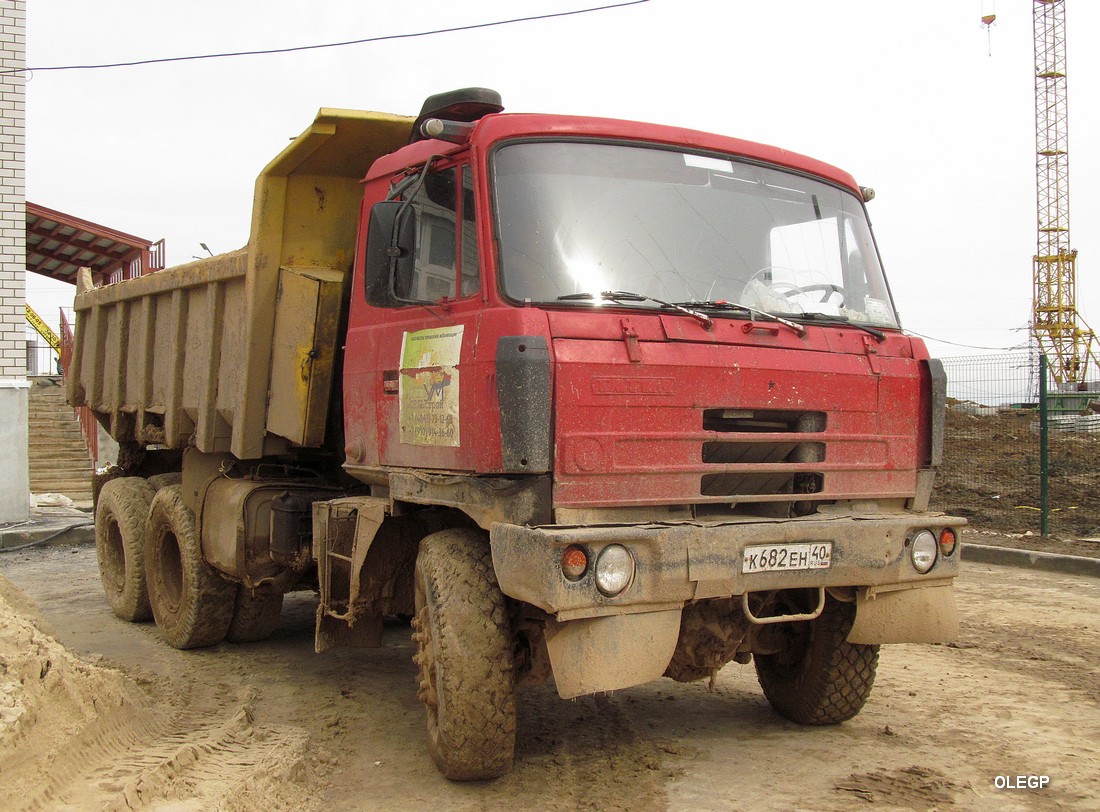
<point>59,461</point>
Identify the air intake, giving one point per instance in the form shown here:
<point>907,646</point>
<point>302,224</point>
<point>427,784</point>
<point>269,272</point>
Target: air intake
<point>465,105</point>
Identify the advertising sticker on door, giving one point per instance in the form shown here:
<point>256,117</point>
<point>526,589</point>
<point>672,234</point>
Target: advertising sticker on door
<point>429,386</point>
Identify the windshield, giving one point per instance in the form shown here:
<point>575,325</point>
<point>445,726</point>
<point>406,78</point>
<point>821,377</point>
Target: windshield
<point>578,218</point>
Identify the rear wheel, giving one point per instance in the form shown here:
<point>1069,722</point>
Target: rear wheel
<point>192,605</point>
<point>255,615</point>
<point>818,678</point>
<point>465,657</point>
<point>159,481</point>
<point>120,515</point>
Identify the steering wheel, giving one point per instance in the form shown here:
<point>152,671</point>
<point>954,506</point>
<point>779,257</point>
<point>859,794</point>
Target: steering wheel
<point>827,288</point>
<point>789,290</point>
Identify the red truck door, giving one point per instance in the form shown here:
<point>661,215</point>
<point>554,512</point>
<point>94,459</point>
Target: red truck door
<point>407,391</point>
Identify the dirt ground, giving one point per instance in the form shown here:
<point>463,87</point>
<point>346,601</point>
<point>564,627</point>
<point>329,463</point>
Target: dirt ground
<point>96,713</point>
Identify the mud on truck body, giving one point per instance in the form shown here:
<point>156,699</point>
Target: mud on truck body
<point>589,400</point>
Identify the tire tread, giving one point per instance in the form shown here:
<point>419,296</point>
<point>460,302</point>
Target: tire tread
<point>835,682</point>
<point>473,737</point>
<point>124,502</point>
<point>206,607</point>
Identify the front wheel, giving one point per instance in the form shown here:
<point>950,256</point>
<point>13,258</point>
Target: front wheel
<point>817,677</point>
<point>464,652</point>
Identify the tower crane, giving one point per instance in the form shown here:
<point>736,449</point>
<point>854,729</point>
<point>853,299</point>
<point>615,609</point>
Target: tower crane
<point>1061,332</point>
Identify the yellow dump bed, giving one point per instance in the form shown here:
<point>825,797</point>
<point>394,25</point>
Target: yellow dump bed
<point>236,352</point>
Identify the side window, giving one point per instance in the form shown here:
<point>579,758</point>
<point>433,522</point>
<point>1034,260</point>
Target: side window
<point>436,244</point>
<point>446,245</point>
<point>471,279</point>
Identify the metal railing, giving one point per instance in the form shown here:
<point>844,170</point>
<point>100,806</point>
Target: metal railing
<point>51,354</point>
<point>89,426</point>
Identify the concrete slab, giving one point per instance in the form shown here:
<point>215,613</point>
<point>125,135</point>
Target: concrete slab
<point>54,525</point>
<point>1048,562</point>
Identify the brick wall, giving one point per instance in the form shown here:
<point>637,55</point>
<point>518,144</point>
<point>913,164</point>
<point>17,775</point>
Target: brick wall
<point>13,48</point>
<point>14,478</point>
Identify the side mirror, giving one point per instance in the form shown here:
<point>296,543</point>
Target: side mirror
<point>390,261</point>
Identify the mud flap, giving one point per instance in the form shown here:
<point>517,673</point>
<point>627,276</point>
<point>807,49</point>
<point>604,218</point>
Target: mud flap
<point>924,614</point>
<point>607,653</point>
<point>343,531</point>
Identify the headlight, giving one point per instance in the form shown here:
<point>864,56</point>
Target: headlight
<point>923,551</point>
<point>614,569</point>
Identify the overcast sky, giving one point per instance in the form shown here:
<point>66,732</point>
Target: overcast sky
<point>905,96</point>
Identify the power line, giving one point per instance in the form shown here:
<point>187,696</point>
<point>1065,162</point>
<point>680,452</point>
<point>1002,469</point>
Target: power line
<point>967,346</point>
<point>366,40</point>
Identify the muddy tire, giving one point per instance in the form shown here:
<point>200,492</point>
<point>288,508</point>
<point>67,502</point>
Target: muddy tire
<point>158,481</point>
<point>255,615</point>
<point>464,653</point>
<point>192,605</point>
<point>120,515</point>
<point>819,678</point>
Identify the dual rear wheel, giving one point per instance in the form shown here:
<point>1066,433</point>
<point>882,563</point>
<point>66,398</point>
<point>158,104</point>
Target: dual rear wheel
<point>192,604</point>
<point>151,566</point>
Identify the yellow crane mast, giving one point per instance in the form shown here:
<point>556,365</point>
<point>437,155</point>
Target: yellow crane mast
<point>1061,332</point>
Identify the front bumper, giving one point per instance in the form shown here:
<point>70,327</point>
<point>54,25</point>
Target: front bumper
<point>677,563</point>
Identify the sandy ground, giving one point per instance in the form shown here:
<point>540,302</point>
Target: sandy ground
<point>96,713</point>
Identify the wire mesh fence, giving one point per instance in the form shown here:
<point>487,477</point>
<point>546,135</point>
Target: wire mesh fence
<point>992,471</point>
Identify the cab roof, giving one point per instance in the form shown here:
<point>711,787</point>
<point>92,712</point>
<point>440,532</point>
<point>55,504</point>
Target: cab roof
<point>499,127</point>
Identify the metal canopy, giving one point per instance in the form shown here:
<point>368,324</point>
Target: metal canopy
<point>58,244</point>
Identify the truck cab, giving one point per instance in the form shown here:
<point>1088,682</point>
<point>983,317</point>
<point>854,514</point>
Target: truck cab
<point>663,374</point>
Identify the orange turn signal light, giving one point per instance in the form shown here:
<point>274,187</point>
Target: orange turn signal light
<point>574,562</point>
<point>948,541</point>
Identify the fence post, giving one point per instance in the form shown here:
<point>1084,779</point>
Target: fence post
<point>1044,461</point>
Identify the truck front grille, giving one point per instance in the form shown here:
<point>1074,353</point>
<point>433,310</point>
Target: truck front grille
<point>776,439</point>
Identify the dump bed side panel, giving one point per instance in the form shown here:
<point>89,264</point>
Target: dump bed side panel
<point>157,358</point>
<point>196,354</point>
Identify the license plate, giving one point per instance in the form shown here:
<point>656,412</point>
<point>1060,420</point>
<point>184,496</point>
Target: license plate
<point>815,555</point>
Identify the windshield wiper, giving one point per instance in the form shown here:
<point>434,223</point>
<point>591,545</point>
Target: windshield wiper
<point>752,313</point>
<point>824,318</point>
<point>626,296</point>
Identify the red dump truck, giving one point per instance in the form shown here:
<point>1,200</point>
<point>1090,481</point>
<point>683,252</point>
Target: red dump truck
<point>587,400</point>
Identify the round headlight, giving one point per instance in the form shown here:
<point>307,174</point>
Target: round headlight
<point>923,551</point>
<point>614,569</point>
